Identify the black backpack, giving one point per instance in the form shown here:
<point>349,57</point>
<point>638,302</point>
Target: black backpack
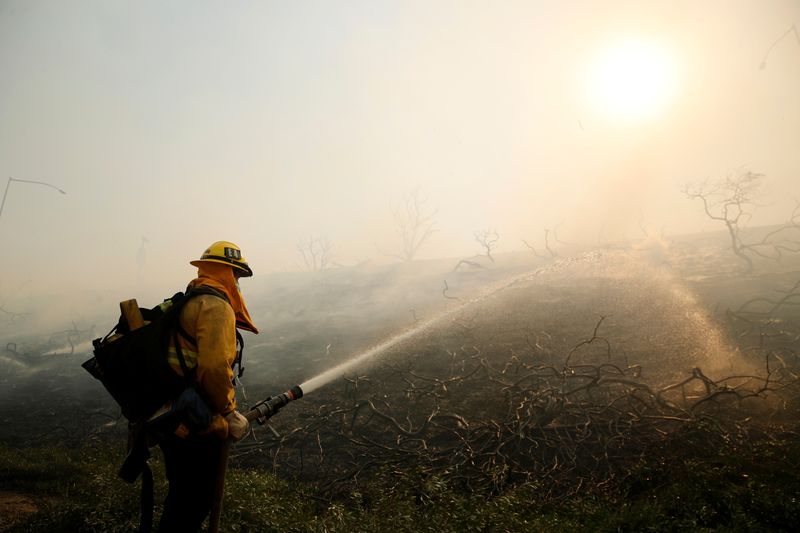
<point>133,366</point>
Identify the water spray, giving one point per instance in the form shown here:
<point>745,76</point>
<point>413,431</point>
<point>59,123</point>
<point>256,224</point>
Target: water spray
<point>364,356</point>
<point>264,410</point>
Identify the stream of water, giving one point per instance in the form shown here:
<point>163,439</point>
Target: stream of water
<point>369,354</point>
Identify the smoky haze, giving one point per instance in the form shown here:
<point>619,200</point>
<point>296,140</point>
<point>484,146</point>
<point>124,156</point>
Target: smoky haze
<point>173,125</point>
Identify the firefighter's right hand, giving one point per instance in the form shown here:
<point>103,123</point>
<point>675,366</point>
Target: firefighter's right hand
<point>237,425</point>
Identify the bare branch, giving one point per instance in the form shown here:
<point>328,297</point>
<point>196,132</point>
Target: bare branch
<point>444,292</point>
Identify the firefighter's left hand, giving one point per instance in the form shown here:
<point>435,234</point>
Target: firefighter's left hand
<point>237,425</point>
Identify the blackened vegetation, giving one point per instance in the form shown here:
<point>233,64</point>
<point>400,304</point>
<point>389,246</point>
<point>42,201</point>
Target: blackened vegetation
<point>598,380</point>
<point>43,379</point>
<point>490,416</point>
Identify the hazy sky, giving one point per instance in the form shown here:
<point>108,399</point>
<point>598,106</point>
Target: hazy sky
<point>268,122</point>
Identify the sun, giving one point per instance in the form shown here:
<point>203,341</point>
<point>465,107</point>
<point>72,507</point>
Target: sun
<point>632,80</point>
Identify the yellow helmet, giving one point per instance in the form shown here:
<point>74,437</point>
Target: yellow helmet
<point>226,253</point>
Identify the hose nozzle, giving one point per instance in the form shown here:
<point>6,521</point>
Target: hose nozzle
<point>264,410</point>
<point>296,392</point>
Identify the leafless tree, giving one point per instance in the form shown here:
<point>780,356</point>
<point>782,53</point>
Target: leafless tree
<point>548,233</point>
<point>415,224</point>
<point>316,253</point>
<point>732,201</point>
<point>488,240</point>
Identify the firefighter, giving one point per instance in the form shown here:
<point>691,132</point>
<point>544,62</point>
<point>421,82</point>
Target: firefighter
<point>208,343</point>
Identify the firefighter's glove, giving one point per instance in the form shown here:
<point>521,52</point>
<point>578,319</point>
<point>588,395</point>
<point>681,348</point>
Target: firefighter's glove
<point>237,425</point>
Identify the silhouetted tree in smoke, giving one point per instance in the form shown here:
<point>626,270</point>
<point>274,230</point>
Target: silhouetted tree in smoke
<point>548,232</point>
<point>415,225</point>
<point>732,201</point>
<point>316,253</point>
<point>488,240</point>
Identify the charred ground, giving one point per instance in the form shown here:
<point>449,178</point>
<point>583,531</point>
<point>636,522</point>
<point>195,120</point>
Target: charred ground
<point>602,373</point>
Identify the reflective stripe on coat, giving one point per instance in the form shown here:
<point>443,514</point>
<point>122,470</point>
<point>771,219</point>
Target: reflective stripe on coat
<point>210,320</point>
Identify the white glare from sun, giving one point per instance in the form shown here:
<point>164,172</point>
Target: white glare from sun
<point>632,80</point>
